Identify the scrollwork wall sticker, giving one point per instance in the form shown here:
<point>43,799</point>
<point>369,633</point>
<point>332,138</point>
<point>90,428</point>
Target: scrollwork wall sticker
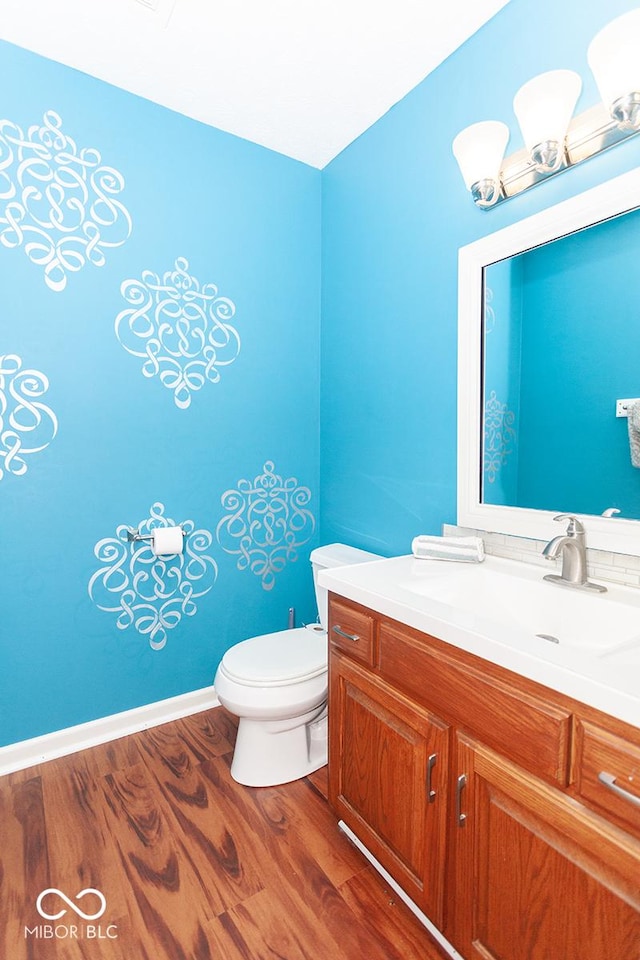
<point>58,201</point>
<point>266,521</point>
<point>499,435</point>
<point>489,312</point>
<point>27,425</point>
<point>152,594</point>
<point>180,328</point>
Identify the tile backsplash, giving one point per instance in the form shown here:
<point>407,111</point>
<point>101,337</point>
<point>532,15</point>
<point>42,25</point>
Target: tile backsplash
<point>601,564</point>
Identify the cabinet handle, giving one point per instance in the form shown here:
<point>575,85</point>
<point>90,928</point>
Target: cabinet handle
<point>431,762</point>
<point>460,785</point>
<point>341,633</point>
<point>609,782</point>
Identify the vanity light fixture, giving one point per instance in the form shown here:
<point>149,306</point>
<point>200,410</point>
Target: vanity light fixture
<point>479,150</point>
<point>544,107</point>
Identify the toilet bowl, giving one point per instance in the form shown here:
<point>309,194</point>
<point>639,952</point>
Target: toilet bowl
<point>276,684</point>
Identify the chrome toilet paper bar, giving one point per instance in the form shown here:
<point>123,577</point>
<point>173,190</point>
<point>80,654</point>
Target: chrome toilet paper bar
<point>135,535</point>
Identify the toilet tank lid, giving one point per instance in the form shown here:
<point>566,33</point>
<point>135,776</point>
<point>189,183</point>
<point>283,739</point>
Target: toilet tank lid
<point>340,555</point>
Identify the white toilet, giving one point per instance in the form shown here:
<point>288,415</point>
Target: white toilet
<point>277,685</point>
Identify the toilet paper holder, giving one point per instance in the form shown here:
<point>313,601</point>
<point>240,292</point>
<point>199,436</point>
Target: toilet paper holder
<point>135,535</point>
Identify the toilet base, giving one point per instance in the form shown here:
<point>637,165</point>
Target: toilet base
<point>270,752</point>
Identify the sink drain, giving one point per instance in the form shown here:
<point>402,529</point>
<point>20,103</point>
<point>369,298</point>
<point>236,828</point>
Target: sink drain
<point>548,636</point>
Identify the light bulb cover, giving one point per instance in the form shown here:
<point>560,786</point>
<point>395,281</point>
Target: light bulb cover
<point>614,58</point>
<point>479,150</point>
<point>544,107</point>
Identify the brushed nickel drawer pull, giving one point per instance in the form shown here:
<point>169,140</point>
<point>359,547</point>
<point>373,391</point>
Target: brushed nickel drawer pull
<point>609,782</point>
<point>348,636</point>
<point>461,784</point>
<point>431,762</point>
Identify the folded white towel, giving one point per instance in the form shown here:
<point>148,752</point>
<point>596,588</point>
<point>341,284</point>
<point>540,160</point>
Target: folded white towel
<point>462,549</point>
<point>633,422</point>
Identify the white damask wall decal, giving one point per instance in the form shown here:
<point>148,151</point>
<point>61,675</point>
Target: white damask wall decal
<point>57,201</point>
<point>266,522</point>
<point>27,426</point>
<point>499,435</point>
<point>179,328</point>
<point>151,593</point>
<point>489,312</point>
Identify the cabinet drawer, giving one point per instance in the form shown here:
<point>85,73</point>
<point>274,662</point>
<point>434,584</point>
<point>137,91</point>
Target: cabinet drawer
<point>352,630</point>
<point>602,753</point>
<point>517,723</point>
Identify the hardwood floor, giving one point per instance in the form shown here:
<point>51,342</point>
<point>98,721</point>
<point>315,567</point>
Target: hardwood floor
<point>192,865</point>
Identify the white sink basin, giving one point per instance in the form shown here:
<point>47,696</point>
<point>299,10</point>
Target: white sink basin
<point>516,595</point>
<point>499,609</point>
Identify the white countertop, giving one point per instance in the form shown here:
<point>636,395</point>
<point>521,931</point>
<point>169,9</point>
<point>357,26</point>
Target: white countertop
<point>608,682</point>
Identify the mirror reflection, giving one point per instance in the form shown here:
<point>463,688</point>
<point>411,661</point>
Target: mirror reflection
<point>561,345</point>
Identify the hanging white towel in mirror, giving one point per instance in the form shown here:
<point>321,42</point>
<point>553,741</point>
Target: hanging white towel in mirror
<point>633,422</point>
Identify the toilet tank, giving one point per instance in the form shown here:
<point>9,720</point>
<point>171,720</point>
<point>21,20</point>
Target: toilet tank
<point>334,555</point>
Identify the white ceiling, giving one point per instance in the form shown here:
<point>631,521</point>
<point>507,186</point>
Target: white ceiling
<point>303,77</point>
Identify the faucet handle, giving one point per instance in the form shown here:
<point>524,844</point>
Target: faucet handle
<point>574,527</point>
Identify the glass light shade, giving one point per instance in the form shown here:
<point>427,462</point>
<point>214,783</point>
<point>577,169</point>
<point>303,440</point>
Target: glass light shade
<point>614,58</point>
<point>479,150</point>
<point>544,106</point>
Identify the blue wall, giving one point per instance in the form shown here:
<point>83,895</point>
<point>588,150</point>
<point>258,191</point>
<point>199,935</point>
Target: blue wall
<point>395,212</point>
<point>124,423</point>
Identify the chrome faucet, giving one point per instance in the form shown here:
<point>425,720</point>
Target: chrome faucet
<point>572,547</point>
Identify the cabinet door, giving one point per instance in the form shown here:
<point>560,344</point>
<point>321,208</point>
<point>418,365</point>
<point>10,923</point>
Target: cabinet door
<point>537,875</point>
<point>388,779</point>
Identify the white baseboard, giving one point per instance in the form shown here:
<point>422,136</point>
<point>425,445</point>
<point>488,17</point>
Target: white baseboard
<point>27,753</point>
<point>417,912</point>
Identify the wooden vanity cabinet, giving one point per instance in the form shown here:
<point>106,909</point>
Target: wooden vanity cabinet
<point>389,779</point>
<point>478,791</point>
<point>537,876</point>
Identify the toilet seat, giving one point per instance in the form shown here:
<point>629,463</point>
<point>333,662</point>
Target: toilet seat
<point>276,684</point>
<point>277,659</point>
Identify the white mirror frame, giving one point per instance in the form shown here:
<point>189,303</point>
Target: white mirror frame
<point>614,197</point>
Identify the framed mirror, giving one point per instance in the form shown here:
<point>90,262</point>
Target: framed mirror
<point>549,341</point>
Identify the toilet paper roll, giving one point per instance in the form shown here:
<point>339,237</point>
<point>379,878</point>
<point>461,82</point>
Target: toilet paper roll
<point>167,540</point>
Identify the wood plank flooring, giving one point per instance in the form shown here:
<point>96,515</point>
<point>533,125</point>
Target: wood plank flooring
<point>192,865</point>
